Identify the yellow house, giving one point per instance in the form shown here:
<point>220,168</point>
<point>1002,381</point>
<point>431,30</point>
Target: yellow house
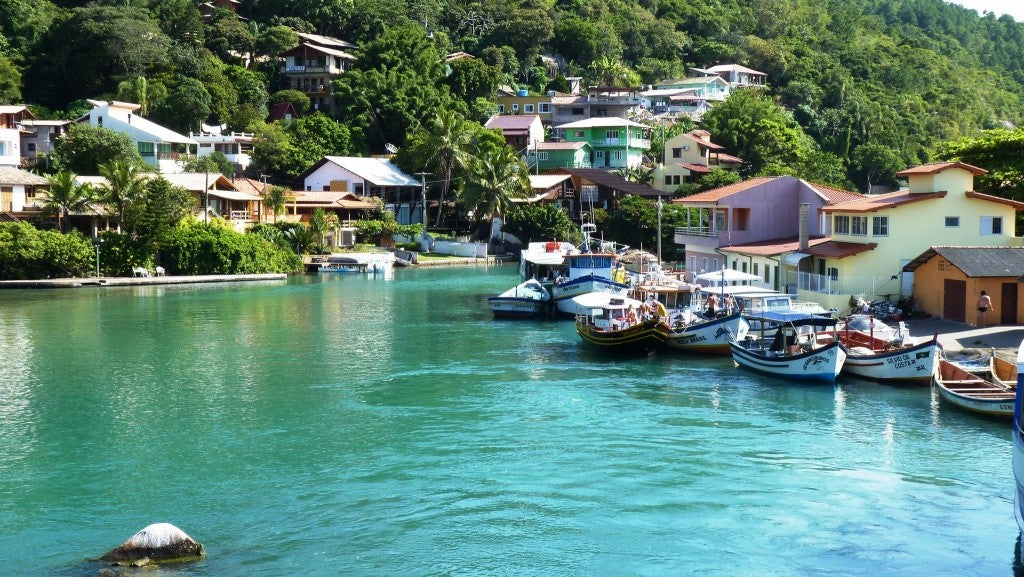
<point>874,237</point>
<point>690,156</point>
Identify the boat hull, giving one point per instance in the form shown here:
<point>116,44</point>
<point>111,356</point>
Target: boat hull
<point>971,392</point>
<point>1018,441</point>
<point>821,365</point>
<point>709,337</point>
<point>516,307</point>
<point>911,365</point>
<point>645,336</point>
<point>563,293</point>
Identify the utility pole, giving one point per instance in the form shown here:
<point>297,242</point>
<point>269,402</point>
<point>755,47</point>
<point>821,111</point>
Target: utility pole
<point>206,194</point>
<point>423,192</point>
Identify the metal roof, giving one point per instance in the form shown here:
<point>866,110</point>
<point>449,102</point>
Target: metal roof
<point>977,261</point>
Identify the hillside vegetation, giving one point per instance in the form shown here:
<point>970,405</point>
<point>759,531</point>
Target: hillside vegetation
<point>866,86</point>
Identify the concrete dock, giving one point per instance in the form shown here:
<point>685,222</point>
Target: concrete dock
<point>137,281</point>
<point>957,337</point>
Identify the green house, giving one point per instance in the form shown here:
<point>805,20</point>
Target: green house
<point>615,142</point>
<point>546,155</point>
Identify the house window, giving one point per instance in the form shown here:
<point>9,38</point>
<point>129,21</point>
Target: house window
<point>755,271</point>
<point>767,274</point>
<point>859,225</point>
<point>714,263</point>
<point>991,225</point>
<point>527,108</point>
<point>952,221</point>
<point>617,155</point>
<point>720,220</point>
<point>675,179</point>
<point>577,112</point>
<point>542,155</point>
<point>880,226</point>
<point>146,148</point>
<point>833,273</point>
<point>668,179</point>
<point>359,189</point>
<point>611,134</point>
<point>544,107</point>
<point>677,153</point>
<point>31,147</point>
<point>501,109</point>
<point>704,263</point>
<point>327,188</point>
<point>743,266</point>
<point>515,108</point>
<point>842,225</point>
<point>579,134</point>
<point>693,263</point>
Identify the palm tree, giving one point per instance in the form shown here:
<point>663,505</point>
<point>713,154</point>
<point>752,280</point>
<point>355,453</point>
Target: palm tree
<point>300,237</point>
<point>496,177</point>
<point>274,199</point>
<point>67,196</point>
<point>123,185</point>
<point>318,223</point>
<point>444,147</point>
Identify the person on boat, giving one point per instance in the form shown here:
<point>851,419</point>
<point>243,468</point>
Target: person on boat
<point>730,304</point>
<point>711,304</point>
<point>658,309</point>
<point>620,274</point>
<point>984,304</point>
<point>630,316</point>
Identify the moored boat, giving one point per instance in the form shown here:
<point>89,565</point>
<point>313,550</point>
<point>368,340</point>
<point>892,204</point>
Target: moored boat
<point>696,334</point>
<point>356,262</point>
<point>527,299</point>
<point>971,392</point>
<point>1003,372</point>
<point>880,359</point>
<point>614,323</point>
<point>793,354</point>
<point>588,272</point>
<point>1018,441</point>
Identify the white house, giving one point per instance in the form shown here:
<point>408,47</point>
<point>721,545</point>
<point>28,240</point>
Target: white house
<point>376,177</point>
<point>11,117</point>
<point>38,137</point>
<point>160,147</point>
<point>236,146</point>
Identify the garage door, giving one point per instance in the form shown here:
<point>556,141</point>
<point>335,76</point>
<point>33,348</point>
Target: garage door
<point>954,301</point>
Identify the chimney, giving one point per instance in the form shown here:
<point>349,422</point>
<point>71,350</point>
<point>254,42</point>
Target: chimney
<point>805,226</point>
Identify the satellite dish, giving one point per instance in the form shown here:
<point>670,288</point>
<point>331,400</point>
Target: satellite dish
<point>391,148</point>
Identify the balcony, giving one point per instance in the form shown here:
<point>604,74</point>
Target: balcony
<point>848,284</point>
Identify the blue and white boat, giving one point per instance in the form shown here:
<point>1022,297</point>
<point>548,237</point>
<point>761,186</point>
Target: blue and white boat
<point>527,299</point>
<point>1018,441</point>
<point>792,353</point>
<point>588,272</point>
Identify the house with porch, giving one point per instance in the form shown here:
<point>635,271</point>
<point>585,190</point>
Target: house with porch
<point>22,194</point>
<point>690,156</point>
<point>736,75</point>
<point>548,155</point>
<point>235,146</point>
<point>750,212</point>
<point>313,65</point>
<point>592,188</point>
<point>38,137</point>
<point>160,147</point>
<point>368,177</point>
<point>616,142</point>
<point>874,237</point>
<point>712,88</point>
<point>221,199</point>
<point>596,102</point>
<point>949,279</point>
<point>521,132</point>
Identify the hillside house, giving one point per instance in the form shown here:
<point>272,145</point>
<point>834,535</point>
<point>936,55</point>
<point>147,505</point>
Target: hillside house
<point>313,65</point>
<point>11,118</point>
<point>160,147</point>
<point>690,156</point>
<point>521,132</point>
<point>616,142</point>
<point>368,177</point>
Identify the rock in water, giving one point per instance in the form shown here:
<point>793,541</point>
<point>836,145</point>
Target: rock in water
<point>160,542</point>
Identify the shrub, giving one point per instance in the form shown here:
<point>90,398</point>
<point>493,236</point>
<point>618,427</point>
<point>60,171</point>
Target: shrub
<point>214,248</point>
<point>29,253</point>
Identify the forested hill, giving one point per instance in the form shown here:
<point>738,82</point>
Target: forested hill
<point>862,78</point>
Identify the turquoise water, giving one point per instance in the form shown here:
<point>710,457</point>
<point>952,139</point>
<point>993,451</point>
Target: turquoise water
<point>366,427</point>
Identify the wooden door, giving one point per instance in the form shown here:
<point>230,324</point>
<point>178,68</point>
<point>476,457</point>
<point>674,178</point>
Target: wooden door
<point>954,302</point>
<point>1008,304</point>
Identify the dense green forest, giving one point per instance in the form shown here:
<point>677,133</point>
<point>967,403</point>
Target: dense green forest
<point>858,89</point>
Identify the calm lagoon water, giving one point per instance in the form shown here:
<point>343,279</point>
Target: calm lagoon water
<point>366,427</point>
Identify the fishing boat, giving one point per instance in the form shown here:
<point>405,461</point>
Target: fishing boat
<point>588,272</point>
<point>1018,441</point>
<point>691,332</point>
<point>1003,372</point>
<point>971,392</point>
<point>890,358</point>
<point>544,261</point>
<point>527,299</point>
<point>372,263</point>
<point>615,323</point>
<point>798,351</point>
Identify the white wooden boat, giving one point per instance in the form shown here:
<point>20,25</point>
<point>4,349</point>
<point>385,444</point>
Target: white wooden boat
<point>880,359</point>
<point>971,392</point>
<point>356,262</point>
<point>693,333</point>
<point>793,354</point>
<point>588,272</point>
<point>1018,441</point>
<point>609,324</point>
<point>527,299</point>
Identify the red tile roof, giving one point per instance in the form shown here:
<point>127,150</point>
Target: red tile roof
<point>1014,203</point>
<point>509,123</point>
<point>772,247</point>
<point>837,249</point>
<point>695,167</point>
<point>723,157</point>
<point>876,202</point>
<point>836,195</point>
<point>937,167</point>
<point>716,194</point>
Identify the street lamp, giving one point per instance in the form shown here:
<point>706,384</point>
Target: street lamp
<point>660,204</point>
<point>96,240</point>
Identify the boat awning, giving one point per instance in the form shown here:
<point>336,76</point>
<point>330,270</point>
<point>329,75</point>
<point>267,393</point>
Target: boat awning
<point>797,319</point>
<point>794,258</point>
<point>548,258</point>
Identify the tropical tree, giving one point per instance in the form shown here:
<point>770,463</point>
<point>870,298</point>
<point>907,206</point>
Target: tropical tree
<point>301,238</point>
<point>124,185</point>
<point>442,148</point>
<point>67,196</point>
<point>495,178</point>
<point>274,200</point>
<point>318,223</point>
<point>84,148</point>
